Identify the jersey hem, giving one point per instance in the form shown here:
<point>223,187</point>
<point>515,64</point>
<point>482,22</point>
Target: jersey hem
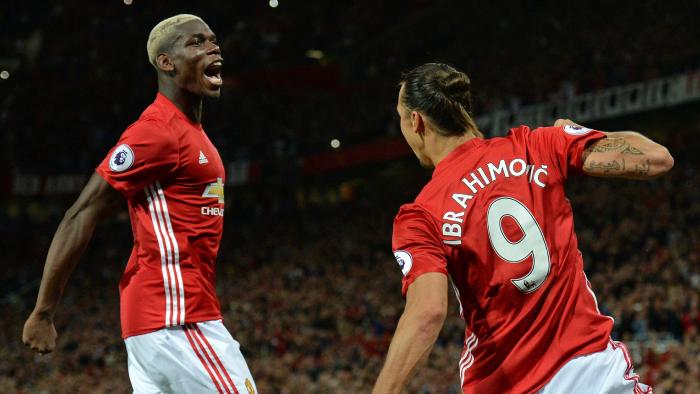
<point>575,355</point>
<point>144,331</point>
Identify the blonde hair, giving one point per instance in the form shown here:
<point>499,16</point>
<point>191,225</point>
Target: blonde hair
<point>162,32</point>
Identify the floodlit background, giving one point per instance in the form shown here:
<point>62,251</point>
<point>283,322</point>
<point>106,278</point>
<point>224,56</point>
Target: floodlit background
<point>317,169</point>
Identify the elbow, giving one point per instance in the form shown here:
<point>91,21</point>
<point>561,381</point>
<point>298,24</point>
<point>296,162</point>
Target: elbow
<point>663,162</point>
<point>432,319</point>
<point>667,161</point>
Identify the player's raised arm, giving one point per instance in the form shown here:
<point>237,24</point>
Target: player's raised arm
<point>624,154</point>
<point>418,328</point>
<point>97,200</point>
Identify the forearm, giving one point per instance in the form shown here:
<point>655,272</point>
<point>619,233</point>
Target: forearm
<point>412,342</point>
<point>68,244</point>
<point>627,155</point>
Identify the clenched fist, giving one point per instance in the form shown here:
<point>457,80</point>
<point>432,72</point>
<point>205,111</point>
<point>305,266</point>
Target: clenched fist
<point>39,333</point>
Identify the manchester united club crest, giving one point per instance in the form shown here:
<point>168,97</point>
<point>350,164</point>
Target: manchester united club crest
<point>249,386</point>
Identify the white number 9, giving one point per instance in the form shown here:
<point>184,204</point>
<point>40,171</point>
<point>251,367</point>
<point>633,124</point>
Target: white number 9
<point>532,244</point>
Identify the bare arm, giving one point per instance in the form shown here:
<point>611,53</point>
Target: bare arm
<point>419,326</point>
<point>97,200</point>
<point>624,154</point>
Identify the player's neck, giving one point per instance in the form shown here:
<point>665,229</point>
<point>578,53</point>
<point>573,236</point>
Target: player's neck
<point>443,146</point>
<point>189,104</point>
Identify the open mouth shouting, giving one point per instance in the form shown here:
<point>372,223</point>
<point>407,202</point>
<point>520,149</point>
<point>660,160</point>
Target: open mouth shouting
<point>212,73</point>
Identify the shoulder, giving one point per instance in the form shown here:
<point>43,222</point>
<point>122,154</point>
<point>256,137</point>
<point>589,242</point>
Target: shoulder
<point>150,137</point>
<point>151,128</point>
<point>544,134</point>
<point>569,131</point>
<point>145,125</point>
<point>413,216</point>
<point>411,209</point>
<point>520,131</point>
<point>161,119</point>
<point>156,111</point>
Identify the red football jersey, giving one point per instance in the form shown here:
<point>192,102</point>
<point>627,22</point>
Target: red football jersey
<point>173,179</point>
<point>494,218</point>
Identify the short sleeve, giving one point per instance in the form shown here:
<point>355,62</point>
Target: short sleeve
<point>416,247</point>
<point>565,145</point>
<point>145,153</point>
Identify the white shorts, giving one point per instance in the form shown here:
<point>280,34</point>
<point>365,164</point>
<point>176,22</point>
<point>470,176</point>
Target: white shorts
<point>606,372</point>
<point>194,358</point>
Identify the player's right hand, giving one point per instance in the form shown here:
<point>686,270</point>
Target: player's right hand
<point>39,333</point>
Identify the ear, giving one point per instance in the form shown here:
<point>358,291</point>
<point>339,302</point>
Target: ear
<point>417,123</point>
<point>164,63</point>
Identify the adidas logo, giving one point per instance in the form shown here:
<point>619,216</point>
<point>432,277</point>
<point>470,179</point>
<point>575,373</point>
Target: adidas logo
<point>202,158</point>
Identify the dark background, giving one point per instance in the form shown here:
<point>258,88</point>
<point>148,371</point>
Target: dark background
<point>305,273</point>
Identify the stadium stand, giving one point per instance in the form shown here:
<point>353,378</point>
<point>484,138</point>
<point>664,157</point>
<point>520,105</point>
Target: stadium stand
<point>306,277</point>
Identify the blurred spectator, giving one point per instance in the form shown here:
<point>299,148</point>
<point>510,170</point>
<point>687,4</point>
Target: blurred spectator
<point>302,74</point>
<point>313,293</point>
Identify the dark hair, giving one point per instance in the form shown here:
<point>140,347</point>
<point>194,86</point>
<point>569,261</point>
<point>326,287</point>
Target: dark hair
<point>441,93</point>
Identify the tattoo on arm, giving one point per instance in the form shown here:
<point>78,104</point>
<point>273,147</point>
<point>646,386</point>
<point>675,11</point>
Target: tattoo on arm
<point>612,167</point>
<point>616,144</point>
<point>615,167</point>
<point>621,154</point>
<point>643,168</point>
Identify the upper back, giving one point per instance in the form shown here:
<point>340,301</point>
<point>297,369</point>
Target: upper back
<point>494,218</point>
<point>502,199</point>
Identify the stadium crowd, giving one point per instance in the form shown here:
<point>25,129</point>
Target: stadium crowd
<point>83,83</point>
<point>313,294</point>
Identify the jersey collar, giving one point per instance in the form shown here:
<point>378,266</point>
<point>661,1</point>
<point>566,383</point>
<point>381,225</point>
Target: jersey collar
<point>164,101</point>
<point>457,153</point>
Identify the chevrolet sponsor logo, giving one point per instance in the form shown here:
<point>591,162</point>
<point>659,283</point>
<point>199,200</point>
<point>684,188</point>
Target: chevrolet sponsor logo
<point>215,190</point>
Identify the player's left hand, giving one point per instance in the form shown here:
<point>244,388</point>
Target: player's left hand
<point>39,333</point>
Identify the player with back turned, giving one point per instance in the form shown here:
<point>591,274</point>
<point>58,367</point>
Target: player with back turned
<point>494,221</point>
<point>172,177</point>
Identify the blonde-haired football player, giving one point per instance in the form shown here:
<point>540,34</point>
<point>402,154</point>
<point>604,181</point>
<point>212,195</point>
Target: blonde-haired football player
<point>172,176</point>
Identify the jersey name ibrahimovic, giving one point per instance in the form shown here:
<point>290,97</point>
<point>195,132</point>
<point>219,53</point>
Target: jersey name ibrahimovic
<point>495,219</point>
